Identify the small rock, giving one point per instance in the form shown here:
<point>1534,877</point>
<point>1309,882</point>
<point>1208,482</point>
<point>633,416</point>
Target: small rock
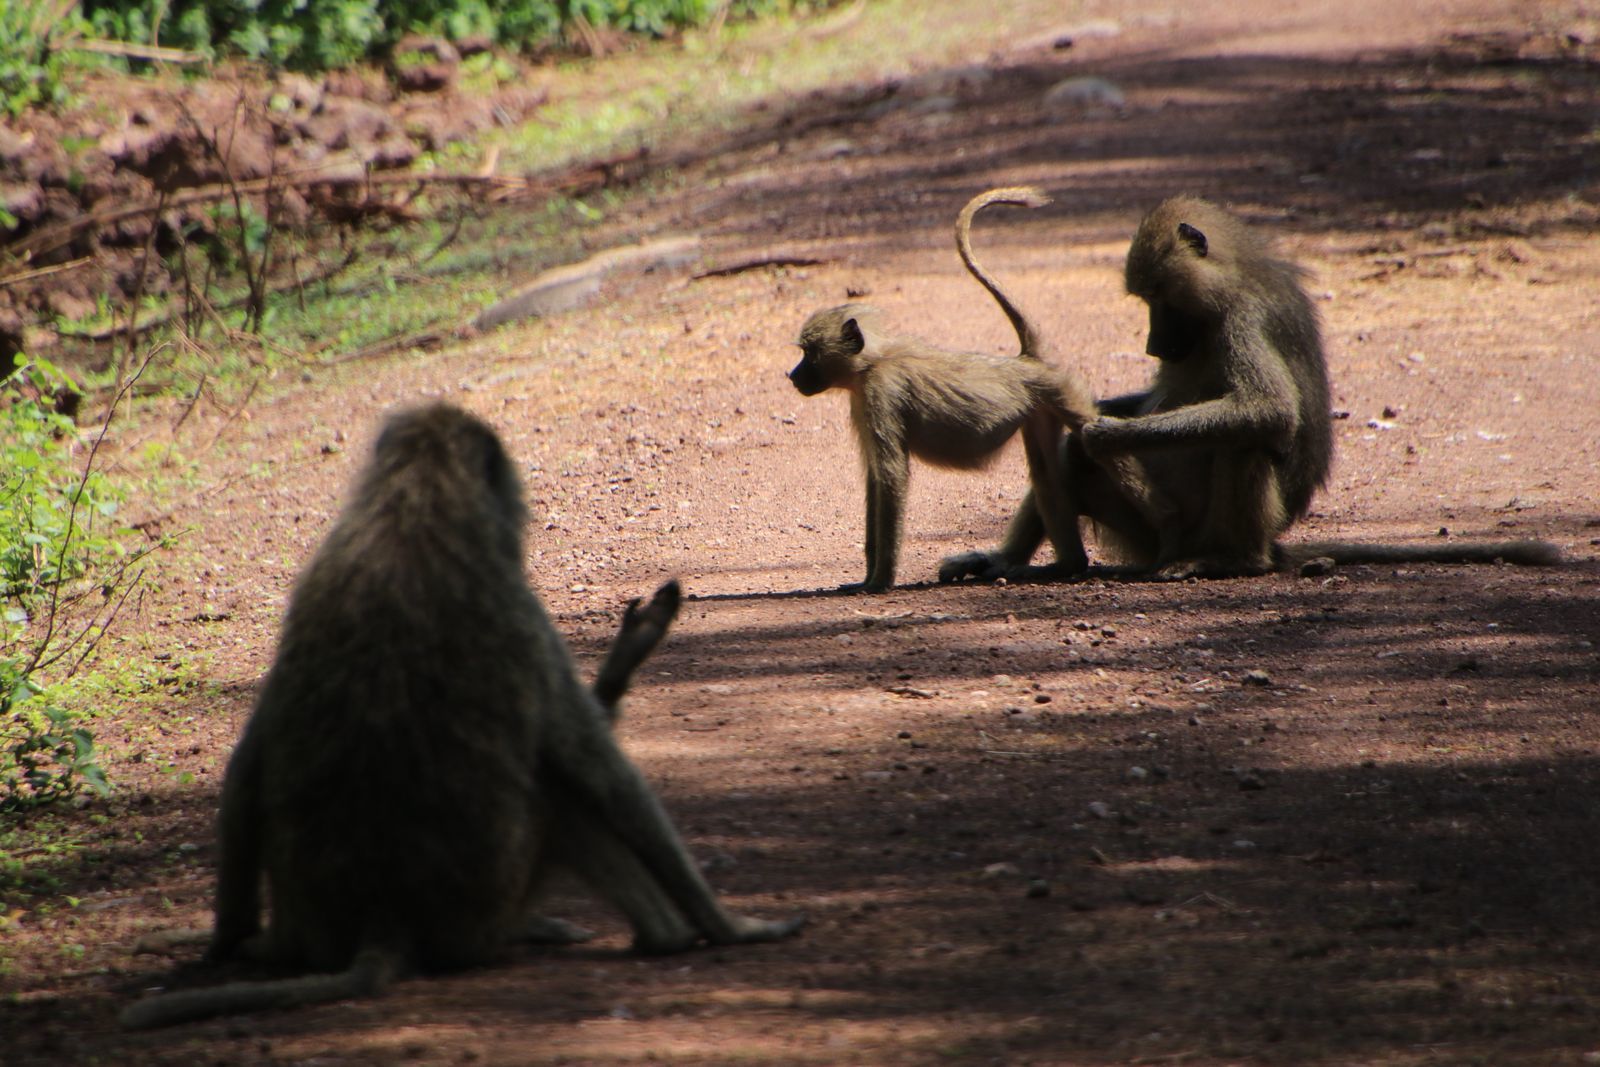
<point>1084,93</point>
<point>1138,774</point>
<point>718,861</point>
<point>1243,844</point>
<point>424,64</point>
<point>1257,678</point>
<point>1001,870</point>
<point>1037,887</point>
<point>1101,810</point>
<point>301,93</point>
<point>1317,566</point>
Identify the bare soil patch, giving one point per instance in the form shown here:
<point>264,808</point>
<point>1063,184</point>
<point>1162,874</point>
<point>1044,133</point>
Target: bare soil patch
<point>1342,820</point>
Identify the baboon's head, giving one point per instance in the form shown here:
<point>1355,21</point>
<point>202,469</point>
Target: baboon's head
<point>832,349</point>
<point>1187,262</point>
<point>440,460</point>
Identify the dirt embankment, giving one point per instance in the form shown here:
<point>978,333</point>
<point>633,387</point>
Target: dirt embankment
<point>149,163</point>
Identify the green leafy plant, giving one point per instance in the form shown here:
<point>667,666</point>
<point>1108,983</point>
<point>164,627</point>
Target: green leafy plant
<point>31,69</point>
<point>324,34</point>
<point>66,569</point>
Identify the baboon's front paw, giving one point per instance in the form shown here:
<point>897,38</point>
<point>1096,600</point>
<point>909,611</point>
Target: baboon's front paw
<point>1211,568</point>
<point>1049,572</point>
<point>984,565</point>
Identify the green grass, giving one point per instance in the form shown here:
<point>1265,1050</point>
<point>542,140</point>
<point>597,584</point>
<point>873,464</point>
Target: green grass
<point>704,81</point>
<point>410,280</point>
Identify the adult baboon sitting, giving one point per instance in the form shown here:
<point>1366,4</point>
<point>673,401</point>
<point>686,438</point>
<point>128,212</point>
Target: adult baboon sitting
<point>422,753</point>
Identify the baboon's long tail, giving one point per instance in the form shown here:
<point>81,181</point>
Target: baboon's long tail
<point>1021,196</point>
<point>643,627</point>
<point>1526,553</point>
<point>372,970</point>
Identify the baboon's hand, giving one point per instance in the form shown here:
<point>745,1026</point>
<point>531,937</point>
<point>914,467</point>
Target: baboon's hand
<point>988,566</point>
<point>1099,436</point>
<point>659,612</point>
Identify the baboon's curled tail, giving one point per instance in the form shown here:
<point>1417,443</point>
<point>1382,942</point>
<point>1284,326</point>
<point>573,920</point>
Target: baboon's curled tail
<point>372,970</point>
<point>1021,196</point>
<point>1075,404</point>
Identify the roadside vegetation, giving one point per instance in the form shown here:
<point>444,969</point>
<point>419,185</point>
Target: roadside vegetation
<point>254,293</point>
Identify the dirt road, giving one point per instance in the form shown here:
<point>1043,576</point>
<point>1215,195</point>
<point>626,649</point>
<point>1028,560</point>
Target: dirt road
<point>1342,820</point>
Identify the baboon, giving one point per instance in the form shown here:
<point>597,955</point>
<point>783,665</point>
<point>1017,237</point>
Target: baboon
<point>950,409</point>
<point>1234,434</point>
<point>422,754</point>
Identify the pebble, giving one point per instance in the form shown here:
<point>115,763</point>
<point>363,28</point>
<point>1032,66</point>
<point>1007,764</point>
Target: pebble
<point>1086,93</point>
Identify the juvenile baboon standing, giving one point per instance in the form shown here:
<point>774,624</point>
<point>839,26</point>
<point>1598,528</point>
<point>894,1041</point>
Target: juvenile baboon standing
<point>951,409</point>
<point>422,753</point>
<point>1234,435</point>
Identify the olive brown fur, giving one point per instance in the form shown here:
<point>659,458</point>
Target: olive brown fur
<point>952,409</point>
<point>422,755</point>
<point>1232,438</point>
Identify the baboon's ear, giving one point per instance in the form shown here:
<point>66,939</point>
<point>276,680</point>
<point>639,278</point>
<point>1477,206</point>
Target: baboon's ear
<point>851,332</point>
<point>1193,238</point>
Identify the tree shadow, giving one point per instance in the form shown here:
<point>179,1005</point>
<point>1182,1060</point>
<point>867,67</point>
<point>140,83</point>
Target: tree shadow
<point>1316,143</point>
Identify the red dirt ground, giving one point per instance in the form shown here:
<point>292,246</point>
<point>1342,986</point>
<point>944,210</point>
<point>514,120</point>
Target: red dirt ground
<point>1030,824</point>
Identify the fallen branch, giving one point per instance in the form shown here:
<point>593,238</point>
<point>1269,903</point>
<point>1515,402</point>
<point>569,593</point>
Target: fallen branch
<point>43,272</point>
<point>757,263</point>
<point>129,50</point>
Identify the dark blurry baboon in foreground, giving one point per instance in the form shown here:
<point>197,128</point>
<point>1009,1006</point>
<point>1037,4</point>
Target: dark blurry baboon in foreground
<point>949,408</point>
<point>422,754</point>
<point>1233,436</point>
